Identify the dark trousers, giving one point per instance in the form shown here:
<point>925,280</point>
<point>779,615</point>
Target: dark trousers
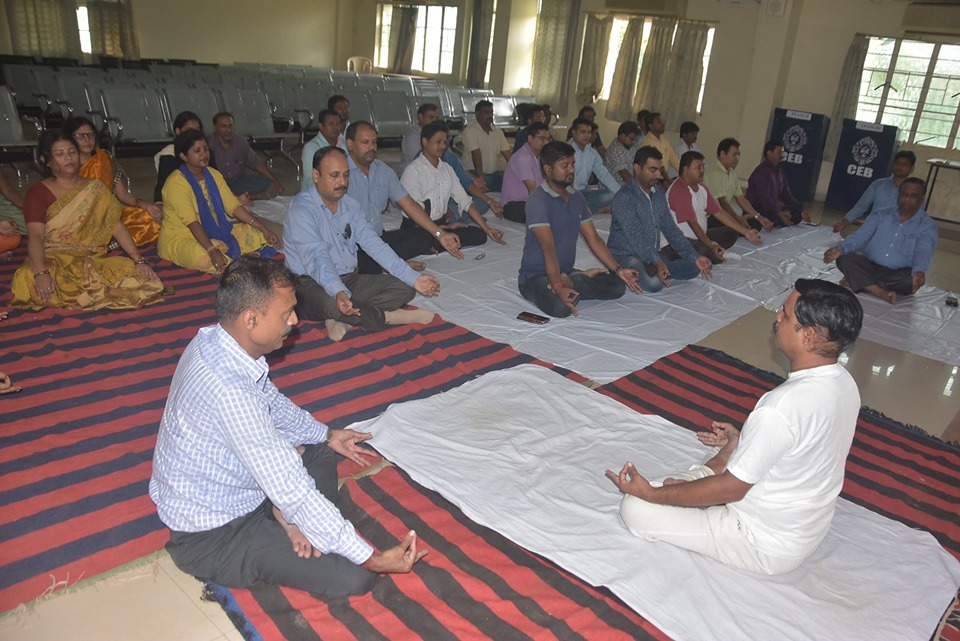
<point>372,294</point>
<point>536,289</point>
<point>516,211</point>
<point>795,215</point>
<point>255,548</point>
<point>860,271</point>
<point>724,236</point>
<point>404,242</point>
<point>470,236</point>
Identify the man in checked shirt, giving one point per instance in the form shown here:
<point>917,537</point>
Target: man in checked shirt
<point>247,481</point>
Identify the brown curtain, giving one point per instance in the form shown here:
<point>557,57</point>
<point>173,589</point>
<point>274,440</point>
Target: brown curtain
<point>403,31</point>
<point>556,29</point>
<point>480,35</point>
<point>111,29</point>
<point>593,61</point>
<point>44,28</point>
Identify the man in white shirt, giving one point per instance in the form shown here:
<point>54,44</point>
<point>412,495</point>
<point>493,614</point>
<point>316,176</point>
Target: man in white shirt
<point>245,480</point>
<point>587,161</point>
<point>432,183</point>
<point>410,145</point>
<point>485,148</point>
<point>689,131</point>
<point>765,500</point>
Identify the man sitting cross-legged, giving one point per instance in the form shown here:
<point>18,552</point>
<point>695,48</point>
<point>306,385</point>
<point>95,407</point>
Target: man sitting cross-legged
<point>374,184</point>
<point>556,215</point>
<point>897,245</point>
<point>883,192</point>
<point>431,182</point>
<point>323,230</point>
<point>641,217</point>
<point>765,500</point>
<point>247,481</point>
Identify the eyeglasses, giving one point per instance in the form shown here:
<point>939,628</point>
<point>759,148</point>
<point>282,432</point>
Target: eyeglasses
<point>84,136</point>
<point>347,232</point>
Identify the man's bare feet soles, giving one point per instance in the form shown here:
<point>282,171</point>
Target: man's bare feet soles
<point>883,293</point>
<point>301,545</point>
<point>336,329</point>
<point>672,481</point>
<point>416,265</point>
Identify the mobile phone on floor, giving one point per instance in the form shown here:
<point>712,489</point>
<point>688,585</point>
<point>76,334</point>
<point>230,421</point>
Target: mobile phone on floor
<point>530,317</point>
<point>951,301</point>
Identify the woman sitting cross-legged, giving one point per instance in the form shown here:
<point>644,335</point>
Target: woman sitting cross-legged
<point>204,225</point>
<point>70,221</point>
<point>141,218</point>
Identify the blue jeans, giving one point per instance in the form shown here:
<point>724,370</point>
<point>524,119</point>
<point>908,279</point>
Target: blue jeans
<point>253,184</point>
<point>536,289</point>
<point>680,269</point>
<point>598,198</point>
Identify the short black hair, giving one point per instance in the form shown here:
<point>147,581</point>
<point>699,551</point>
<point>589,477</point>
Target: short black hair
<point>688,127</point>
<point>322,153</point>
<point>185,140</point>
<point>771,145</point>
<point>909,155</point>
<point>72,124</point>
<point>642,116</point>
<point>833,311</point>
<point>531,109</point>
<point>327,113</point>
<point>432,129</point>
<point>481,104</point>
<point>724,146</point>
<point>425,107</point>
<point>650,117</point>
<point>553,152</point>
<point>221,114</point>
<point>334,99</point>
<point>536,128</point>
<point>45,145</point>
<point>645,153</point>
<point>627,128</point>
<point>687,158</point>
<point>248,283</point>
<point>580,121</point>
<point>913,180</point>
<point>584,110</point>
<point>184,117</point>
<point>351,132</point>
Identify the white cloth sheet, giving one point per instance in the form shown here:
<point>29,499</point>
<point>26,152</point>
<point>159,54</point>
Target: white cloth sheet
<point>523,451</point>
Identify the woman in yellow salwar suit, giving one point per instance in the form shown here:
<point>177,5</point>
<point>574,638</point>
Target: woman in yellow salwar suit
<point>70,221</point>
<point>204,225</point>
<point>141,218</point>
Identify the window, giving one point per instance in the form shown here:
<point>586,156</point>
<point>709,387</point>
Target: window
<point>915,86</point>
<point>434,43</point>
<point>613,51</point>
<point>83,23</point>
<point>493,25</point>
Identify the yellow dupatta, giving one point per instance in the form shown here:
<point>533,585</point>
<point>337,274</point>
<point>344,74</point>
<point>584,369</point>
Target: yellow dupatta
<point>79,227</point>
<point>138,222</point>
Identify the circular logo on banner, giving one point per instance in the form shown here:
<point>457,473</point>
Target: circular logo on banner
<point>794,139</point>
<point>865,151</point>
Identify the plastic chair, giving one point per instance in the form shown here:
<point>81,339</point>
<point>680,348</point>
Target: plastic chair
<point>359,64</point>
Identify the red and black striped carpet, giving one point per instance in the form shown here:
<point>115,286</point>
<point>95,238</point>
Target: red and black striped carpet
<point>76,445</point>
<point>475,584</point>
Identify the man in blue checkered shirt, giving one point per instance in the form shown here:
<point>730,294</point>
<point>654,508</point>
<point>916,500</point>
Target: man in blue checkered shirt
<point>245,480</point>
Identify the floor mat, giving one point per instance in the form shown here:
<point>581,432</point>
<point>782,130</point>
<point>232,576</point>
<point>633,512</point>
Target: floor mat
<point>76,445</point>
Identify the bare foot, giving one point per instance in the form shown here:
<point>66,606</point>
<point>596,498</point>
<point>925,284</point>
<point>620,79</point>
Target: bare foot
<point>416,265</point>
<point>882,293</point>
<point>409,317</point>
<point>301,545</point>
<point>336,329</point>
<point>844,282</point>
<point>672,481</point>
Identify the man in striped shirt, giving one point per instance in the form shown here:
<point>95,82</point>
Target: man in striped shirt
<point>245,480</point>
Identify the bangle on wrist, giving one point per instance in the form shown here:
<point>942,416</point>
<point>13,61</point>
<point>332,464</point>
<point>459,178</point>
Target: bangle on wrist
<point>140,261</point>
<point>557,286</point>
<point>616,270</point>
<point>45,272</point>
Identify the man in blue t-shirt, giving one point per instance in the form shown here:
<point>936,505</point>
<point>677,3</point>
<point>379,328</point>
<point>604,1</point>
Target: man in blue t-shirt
<point>556,215</point>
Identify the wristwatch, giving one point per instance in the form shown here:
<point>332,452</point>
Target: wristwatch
<point>438,233</point>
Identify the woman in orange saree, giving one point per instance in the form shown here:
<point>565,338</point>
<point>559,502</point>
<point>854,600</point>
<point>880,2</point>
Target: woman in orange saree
<point>141,218</point>
<point>70,222</point>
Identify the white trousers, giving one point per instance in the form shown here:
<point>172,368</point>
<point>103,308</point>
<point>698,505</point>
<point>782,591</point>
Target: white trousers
<point>716,532</point>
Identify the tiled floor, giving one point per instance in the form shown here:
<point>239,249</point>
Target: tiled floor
<point>157,601</point>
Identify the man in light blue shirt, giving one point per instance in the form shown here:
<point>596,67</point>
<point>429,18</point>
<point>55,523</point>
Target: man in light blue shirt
<point>588,161</point>
<point>374,185</point>
<point>329,122</point>
<point>245,480</point>
<point>322,232</point>
<point>891,253</point>
<point>882,193</point>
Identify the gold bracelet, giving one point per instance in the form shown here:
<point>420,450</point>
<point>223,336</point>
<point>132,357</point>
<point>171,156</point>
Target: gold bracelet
<point>142,261</point>
<point>45,272</point>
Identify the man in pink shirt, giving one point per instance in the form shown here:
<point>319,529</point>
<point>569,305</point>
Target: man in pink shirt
<point>523,173</point>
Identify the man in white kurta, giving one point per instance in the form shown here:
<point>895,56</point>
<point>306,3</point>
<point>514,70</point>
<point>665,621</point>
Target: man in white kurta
<point>765,500</point>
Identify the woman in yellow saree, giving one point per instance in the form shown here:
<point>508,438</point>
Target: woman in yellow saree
<point>70,221</point>
<point>204,225</point>
<point>141,218</point>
